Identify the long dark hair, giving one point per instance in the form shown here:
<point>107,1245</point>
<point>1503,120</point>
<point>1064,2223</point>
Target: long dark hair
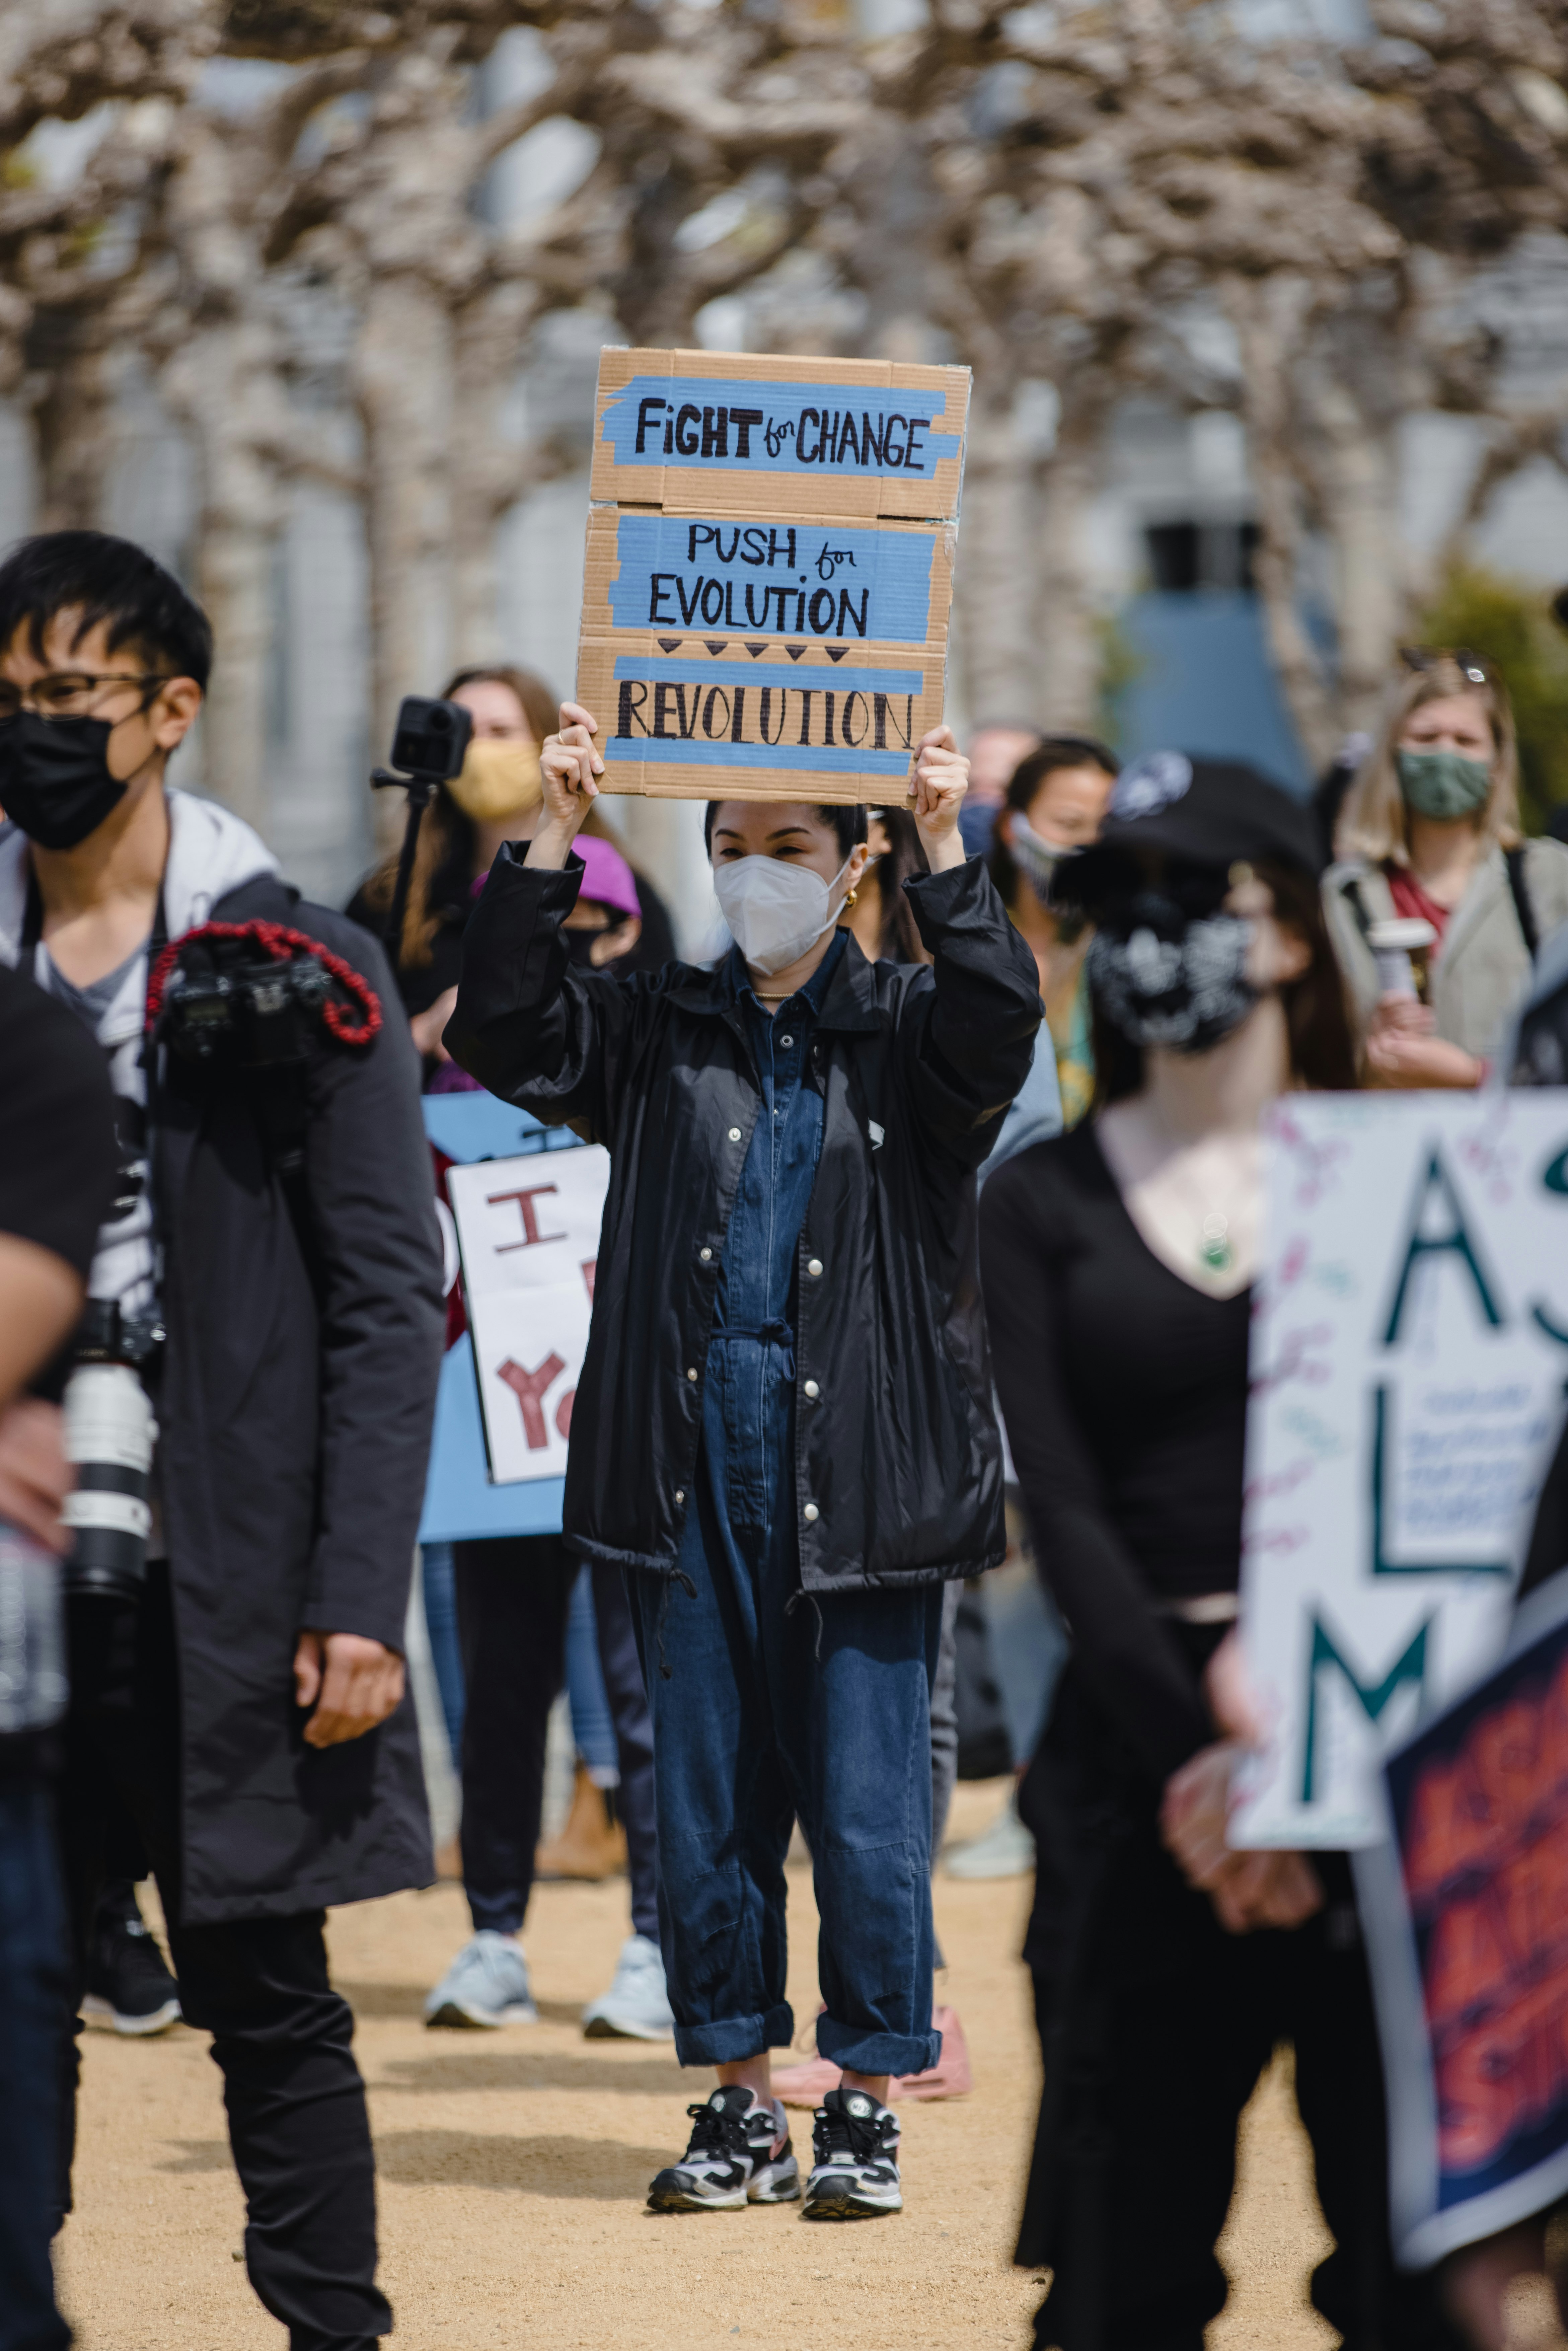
<point>1317,1018</point>
<point>1056,751</point>
<point>900,941</point>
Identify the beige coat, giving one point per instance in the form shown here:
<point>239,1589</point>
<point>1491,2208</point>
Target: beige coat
<point>1483,967</point>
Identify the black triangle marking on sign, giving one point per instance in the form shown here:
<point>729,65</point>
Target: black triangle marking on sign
<point>753,649</point>
<point>668,644</point>
<point>794,651</point>
<point>716,644</point>
<point>835,652</point>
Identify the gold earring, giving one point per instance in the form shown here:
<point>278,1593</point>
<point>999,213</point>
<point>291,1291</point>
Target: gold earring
<point>852,897</point>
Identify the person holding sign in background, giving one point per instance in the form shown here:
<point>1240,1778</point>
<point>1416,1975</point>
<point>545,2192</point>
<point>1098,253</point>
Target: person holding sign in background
<point>783,1428</point>
<point>1116,1263</point>
<point>1437,904</point>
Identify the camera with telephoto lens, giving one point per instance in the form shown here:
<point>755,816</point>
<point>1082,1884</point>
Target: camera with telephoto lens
<point>244,1008</point>
<point>110,1435</point>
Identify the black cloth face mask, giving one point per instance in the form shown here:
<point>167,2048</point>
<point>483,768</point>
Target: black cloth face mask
<point>55,779</point>
<point>580,947</point>
<point>1166,976</point>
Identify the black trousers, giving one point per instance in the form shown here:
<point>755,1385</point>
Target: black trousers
<point>281,2036</point>
<point>1154,2026</point>
<point>33,2030</point>
<point>514,1592</point>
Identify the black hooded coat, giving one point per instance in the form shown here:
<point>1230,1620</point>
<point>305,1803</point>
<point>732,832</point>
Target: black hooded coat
<point>294,1409</point>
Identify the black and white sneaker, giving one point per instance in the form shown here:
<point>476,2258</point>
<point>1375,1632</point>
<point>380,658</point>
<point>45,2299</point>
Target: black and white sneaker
<point>739,2154</point>
<point>854,2160</point>
<point>129,1987</point>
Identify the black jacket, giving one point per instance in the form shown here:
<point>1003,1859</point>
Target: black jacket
<point>295,1411</point>
<point>899,1454</point>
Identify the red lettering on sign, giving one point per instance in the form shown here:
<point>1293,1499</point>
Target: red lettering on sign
<point>529,1388</point>
<point>1469,1963</point>
<point>588,1265</point>
<point>531,1217</point>
<point>1448,1828</point>
<point>563,1413</point>
<point>1500,2079</point>
<point>1485,1852</point>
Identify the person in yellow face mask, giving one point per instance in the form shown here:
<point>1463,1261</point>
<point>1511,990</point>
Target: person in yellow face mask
<point>496,797</point>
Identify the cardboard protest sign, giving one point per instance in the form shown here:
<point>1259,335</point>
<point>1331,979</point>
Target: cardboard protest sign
<point>769,571</point>
<point>1465,1908</point>
<point>1410,1350</point>
<point>473,1138</point>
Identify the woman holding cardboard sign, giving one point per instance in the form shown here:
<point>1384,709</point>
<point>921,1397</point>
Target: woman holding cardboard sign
<point>783,1427</point>
<point>1117,1261</point>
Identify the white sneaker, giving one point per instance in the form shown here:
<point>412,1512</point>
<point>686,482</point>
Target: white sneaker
<point>854,2160</point>
<point>1006,1849</point>
<point>739,2154</point>
<point>636,2007</point>
<point>486,1984</point>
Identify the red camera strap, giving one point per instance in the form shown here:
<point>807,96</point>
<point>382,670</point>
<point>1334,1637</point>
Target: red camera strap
<point>283,945</point>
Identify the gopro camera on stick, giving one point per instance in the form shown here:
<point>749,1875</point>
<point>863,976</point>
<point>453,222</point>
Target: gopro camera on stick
<point>428,747</point>
<point>429,743</point>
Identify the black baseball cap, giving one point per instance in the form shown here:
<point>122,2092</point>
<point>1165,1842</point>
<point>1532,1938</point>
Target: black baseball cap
<point>1196,812</point>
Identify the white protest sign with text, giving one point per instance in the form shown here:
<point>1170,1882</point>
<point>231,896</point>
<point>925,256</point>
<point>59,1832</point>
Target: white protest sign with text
<point>1408,1356</point>
<point>528,1232</point>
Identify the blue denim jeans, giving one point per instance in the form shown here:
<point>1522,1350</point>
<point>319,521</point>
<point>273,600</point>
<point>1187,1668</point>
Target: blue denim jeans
<point>766,1706</point>
<point>592,1727</point>
<point>439,1580</point>
<point>35,2029</point>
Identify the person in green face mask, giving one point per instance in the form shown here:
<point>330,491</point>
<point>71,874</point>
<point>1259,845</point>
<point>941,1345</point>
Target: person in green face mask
<point>1429,833</point>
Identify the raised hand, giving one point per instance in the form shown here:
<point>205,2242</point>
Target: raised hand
<point>569,766</point>
<point>939,780</point>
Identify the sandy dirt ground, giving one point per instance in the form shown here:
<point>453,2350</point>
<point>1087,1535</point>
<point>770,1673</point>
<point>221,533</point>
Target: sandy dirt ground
<point>513,2168</point>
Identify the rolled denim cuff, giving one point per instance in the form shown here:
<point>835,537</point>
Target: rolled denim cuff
<point>851,2046</point>
<point>737,2038</point>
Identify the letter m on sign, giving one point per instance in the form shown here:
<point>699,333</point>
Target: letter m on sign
<point>1407,1671</point>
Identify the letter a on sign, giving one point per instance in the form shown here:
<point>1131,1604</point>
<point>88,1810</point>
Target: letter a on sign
<point>1452,1240</point>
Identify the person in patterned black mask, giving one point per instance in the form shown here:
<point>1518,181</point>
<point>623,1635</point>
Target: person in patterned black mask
<point>1118,1262</point>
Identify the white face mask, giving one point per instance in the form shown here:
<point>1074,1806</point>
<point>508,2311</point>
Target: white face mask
<point>776,910</point>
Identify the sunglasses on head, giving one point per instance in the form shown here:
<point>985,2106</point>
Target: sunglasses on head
<point>1473,666</point>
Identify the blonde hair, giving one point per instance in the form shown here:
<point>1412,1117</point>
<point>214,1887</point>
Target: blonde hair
<point>1371,821</point>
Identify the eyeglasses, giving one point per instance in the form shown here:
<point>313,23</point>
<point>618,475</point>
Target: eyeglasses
<point>67,693</point>
<point>1471,666</point>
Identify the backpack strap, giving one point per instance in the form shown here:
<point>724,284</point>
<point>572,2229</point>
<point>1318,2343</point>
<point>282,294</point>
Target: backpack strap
<point>1520,890</point>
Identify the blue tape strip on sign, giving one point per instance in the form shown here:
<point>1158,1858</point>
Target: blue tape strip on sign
<point>661,751</point>
<point>725,427</point>
<point>772,579</point>
<point>699,674</point>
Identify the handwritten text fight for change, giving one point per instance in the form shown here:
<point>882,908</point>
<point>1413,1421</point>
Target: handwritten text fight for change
<point>834,428</point>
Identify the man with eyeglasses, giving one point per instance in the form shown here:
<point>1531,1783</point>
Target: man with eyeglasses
<point>270,1269</point>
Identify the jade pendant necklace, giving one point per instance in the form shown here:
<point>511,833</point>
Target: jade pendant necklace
<point>1215,1250</point>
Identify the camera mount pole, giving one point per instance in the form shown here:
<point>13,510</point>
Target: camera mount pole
<point>420,792</point>
<point>429,745</point>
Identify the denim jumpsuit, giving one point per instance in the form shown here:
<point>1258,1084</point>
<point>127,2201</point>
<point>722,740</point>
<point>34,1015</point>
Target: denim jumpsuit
<point>766,1705</point>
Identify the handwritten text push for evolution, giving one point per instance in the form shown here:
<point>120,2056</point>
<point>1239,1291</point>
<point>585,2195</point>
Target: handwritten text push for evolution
<point>772,579</point>
<point>779,427</point>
